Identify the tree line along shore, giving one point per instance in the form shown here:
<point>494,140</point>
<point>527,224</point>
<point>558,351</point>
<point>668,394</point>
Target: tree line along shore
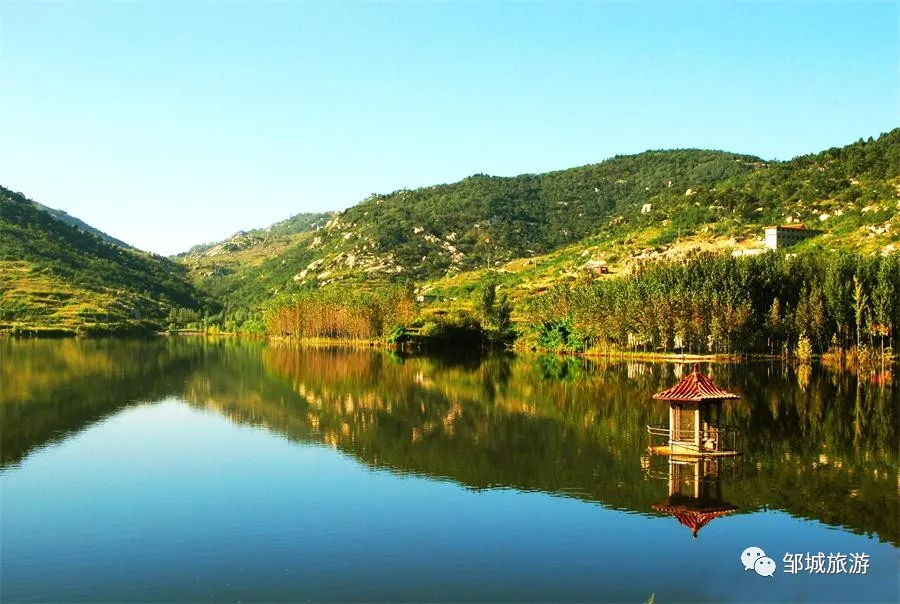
<point>710,305</point>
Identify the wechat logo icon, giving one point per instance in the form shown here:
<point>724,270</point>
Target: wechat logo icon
<point>753,558</point>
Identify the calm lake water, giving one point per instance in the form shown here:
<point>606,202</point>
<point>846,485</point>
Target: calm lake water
<point>189,470</point>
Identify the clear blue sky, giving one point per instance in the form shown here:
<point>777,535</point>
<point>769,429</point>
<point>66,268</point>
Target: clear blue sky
<point>171,124</point>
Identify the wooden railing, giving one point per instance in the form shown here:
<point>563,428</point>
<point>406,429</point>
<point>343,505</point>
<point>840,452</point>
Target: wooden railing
<point>719,438</point>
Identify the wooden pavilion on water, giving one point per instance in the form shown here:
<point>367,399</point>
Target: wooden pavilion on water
<point>695,412</point>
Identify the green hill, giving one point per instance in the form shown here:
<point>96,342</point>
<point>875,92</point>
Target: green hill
<point>59,278</point>
<point>239,272</point>
<point>539,228</point>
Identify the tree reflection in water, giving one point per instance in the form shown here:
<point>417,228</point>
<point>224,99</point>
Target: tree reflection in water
<point>817,443</point>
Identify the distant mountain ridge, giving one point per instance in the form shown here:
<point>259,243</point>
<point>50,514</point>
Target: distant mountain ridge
<point>77,223</point>
<point>242,240</point>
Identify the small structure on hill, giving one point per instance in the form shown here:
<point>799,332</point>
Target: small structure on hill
<point>598,267</point>
<point>695,411</point>
<point>783,236</point>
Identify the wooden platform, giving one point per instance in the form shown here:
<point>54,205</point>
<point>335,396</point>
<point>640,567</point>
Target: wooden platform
<point>681,452</point>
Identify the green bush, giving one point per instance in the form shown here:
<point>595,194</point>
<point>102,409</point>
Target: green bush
<point>560,336</point>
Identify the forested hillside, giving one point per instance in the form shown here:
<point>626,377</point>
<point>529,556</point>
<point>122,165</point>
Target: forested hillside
<point>483,221</point>
<point>56,276</point>
<point>540,228</point>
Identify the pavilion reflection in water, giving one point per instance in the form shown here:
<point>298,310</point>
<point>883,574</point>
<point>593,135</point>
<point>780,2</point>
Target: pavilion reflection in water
<point>695,491</point>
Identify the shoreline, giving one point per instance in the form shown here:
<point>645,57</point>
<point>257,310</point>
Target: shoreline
<point>421,346</point>
<point>590,354</point>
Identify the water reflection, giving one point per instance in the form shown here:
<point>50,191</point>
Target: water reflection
<point>50,389</point>
<point>695,491</point>
<point>817,444</point>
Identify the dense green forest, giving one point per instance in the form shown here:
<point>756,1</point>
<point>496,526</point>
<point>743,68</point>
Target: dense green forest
<point>721,304</point>
<point>59,277</point>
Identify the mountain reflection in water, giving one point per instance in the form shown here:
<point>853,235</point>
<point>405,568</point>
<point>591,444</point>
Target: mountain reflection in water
<point>817,444</point>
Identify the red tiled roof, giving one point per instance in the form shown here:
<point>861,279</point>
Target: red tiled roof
<point>694,388</point>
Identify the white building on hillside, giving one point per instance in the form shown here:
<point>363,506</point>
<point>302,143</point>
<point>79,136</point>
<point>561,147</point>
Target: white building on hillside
<point>783,236</point>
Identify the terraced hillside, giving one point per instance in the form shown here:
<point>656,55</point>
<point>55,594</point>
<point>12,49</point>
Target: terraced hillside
<point>56,278</point>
